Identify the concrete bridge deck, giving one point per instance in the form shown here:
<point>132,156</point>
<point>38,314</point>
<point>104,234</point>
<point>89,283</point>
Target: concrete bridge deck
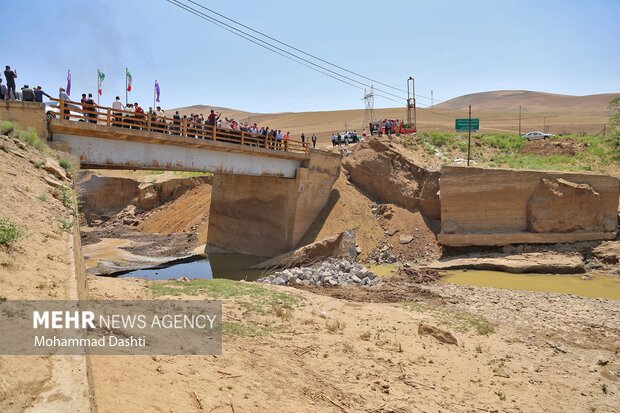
<point>105,138</point>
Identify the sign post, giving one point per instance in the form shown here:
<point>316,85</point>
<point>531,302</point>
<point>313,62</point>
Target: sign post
<point>469,124</point>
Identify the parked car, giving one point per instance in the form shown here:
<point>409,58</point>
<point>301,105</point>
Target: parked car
<point>532,136</point>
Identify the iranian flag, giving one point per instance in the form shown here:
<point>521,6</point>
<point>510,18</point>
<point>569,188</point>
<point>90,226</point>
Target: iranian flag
<point>100,77</point>
<point>128,79</point>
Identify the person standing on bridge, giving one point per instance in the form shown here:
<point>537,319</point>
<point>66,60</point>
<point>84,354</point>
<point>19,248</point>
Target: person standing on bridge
<point>93,115</point>
<point>39,93</point>
<point>213,117</point>
<point>313,141</point>
<point>139,115</point>
<point>118,107</point>
<point>62,95</point>
<point>176,121</point>
<point>10,76</point>
<point>3,90</point>
<point>28,94</point>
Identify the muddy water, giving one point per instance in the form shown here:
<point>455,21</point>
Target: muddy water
<point>601,286</point>
<point>231,266</point>
<point>199,265</point>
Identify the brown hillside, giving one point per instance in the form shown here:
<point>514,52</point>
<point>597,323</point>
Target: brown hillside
<point>498,112</point>
<point>509,100</point>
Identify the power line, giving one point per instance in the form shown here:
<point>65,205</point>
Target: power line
<point>261,42</point>
<point>294,48</point>
<point>188,9</point>
<point>305,53</point>
<point>256,40</point>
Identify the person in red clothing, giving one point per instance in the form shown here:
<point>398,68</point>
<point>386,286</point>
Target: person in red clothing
<point>213,117</point>
<point>139,115</point>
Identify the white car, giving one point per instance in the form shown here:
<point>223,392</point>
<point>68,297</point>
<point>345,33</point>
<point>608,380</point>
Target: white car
<point>532,136</point>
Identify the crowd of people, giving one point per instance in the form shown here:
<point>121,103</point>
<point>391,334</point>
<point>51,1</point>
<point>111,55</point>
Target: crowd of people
<point>385,127</point>
<point>26,93</point>
<point>132,115</point>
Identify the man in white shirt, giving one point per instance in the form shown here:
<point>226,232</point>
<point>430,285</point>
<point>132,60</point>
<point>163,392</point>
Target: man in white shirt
<point>118,106</point>
<point>62,95</point>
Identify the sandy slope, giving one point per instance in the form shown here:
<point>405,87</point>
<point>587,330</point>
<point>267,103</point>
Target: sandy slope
<point>39,266</point>
<point>377,361</point>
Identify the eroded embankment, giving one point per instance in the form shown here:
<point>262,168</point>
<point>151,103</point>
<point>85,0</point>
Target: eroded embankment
<point>39,260</point>
<point>154,221</point>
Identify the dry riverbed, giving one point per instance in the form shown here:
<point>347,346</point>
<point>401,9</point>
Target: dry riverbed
<point>357,349</point>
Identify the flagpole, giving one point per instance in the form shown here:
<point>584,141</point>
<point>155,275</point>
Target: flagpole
<point>154,91</point>
<point>97,87</point>
<point>126,85</point>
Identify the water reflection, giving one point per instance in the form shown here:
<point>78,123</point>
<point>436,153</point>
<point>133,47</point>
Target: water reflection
<point>231,266</point>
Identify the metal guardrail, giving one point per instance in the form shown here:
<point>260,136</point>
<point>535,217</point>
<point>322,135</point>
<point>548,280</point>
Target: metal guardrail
<point>102,115</point>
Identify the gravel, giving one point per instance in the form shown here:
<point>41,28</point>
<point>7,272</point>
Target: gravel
<point>331,272</point>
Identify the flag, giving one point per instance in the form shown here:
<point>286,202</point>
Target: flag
<point>156,91</point>
<point>100,77</point>
<point>129,79</point>
<point>69,82</point>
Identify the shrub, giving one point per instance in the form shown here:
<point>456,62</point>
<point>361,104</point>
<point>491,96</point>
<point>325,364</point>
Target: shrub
<point>31,138</point>
<point>6,127</point>
<point>66,165</point>
<point>65,195</point>
<point>10,233</point>
<point>66,225</point>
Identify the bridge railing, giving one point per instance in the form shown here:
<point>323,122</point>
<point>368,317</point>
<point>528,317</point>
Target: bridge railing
<point>102,115</point>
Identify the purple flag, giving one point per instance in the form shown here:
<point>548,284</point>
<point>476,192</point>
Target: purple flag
<point>156,91</point>
<point>69,82</point>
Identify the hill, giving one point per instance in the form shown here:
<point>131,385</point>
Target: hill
<point>509,100</point>
<point>498,112</point>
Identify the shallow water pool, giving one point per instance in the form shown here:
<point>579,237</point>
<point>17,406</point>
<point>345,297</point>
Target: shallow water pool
<point>231,266</point>
<point>601,286</point>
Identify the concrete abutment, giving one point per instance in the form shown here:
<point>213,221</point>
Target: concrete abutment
<point>266,215</point>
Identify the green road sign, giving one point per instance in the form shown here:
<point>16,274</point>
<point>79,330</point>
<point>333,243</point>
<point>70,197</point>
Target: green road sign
<point>463,125</point>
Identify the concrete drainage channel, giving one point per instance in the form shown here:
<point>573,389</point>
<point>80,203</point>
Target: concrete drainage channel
<point>71,387</point>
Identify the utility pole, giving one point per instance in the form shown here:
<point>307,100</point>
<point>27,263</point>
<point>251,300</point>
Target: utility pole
<point>519,119</point>
<point>408,103</point>
<point>469,137</point>
<point>432,99</point>
<point>415,117</point>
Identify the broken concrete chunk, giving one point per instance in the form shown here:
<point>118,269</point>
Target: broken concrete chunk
<point>558,205</point>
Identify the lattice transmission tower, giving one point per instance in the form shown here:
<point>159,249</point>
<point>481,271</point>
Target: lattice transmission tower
<point>369,104</point>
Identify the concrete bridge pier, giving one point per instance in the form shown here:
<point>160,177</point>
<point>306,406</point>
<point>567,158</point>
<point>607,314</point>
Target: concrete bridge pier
<point>267,215</point>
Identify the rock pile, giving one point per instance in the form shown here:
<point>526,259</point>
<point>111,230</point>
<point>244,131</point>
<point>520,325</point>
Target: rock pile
<point>331,272</point>
<point>382,256</point>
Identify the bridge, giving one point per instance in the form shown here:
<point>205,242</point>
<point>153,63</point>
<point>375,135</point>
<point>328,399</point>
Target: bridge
<point>103,137</point>
<point>266,192</point>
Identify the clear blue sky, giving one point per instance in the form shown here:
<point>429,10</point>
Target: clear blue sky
<point>451,47</point>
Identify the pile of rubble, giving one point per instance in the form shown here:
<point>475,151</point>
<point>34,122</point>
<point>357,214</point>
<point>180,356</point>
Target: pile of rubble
<point>382,256</point>
<point>331,272</point>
